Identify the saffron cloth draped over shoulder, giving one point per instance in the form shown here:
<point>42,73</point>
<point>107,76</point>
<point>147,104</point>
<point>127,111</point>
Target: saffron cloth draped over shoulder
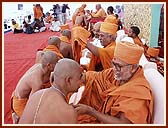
<point>54,49</point>
<point>79,40</point>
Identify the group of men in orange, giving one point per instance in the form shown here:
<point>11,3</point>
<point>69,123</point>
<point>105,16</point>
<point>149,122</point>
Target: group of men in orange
<point>116,91</point>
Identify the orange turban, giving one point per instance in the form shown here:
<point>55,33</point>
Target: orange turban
<point>80,34</point>
<point>111,19</point>
<point>64,26</point>
<point>154,52</point>
<point>128,52</point>
<point>108,28</point>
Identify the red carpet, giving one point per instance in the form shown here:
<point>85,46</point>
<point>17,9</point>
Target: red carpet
<point>19,55</point>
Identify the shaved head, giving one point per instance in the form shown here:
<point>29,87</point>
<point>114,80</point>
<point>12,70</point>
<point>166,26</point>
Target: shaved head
<point>67,75</point>
<point>98,6</point>
<point>96,26</point>
<point>49,57</point>
<point>54,40</point>
<point>66,67</point>
<point>66,33</point>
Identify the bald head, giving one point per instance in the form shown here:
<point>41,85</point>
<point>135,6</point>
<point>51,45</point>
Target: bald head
<point>66,67</point>
<point>66,33</point>
<point>67,75</point>
<point>96,26</point>
<point>98,6</point>
<point>49,57</point>
<point>54,40</point>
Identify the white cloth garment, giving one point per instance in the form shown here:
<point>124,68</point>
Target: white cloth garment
<point>55,26</point>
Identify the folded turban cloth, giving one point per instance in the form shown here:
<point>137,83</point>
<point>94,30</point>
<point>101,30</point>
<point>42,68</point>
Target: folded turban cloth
<point>154,52</point>
<point>80,34</point>
<point>108,28</point>
<point>128,52</point>
<point>64,26</point>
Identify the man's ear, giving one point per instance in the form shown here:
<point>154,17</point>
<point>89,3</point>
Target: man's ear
<point>51,78</point>
<point>133,34</point>
<point>68,80</point>
<point>48,65</point>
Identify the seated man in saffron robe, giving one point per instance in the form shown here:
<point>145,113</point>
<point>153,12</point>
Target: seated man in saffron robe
<point>134,32</point>
<point>101,57</point>
<point>32,81</point>
<point>78,12</point>
<point>65,45</point>
<point>119,95</point>
<point>97,16</point>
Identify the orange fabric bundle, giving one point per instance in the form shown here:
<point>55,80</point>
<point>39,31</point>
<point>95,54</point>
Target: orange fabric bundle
<point>54,49</point>
<point>76,50</point>
<point>154,52</point>
<point>111,19</point>
<point>81,35</point>
<point>18,105</point>
<point>65,39</point>
<point>108,28</point>
<point>64,26</point>
<point>128,52</point>
<point>79,41</point>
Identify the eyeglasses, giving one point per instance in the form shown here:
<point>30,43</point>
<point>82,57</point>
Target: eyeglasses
<point>118,66</point>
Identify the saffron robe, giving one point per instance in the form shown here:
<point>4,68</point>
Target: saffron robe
<point>134,98</point>
<point>105,57</point>
<point>54,49</point>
